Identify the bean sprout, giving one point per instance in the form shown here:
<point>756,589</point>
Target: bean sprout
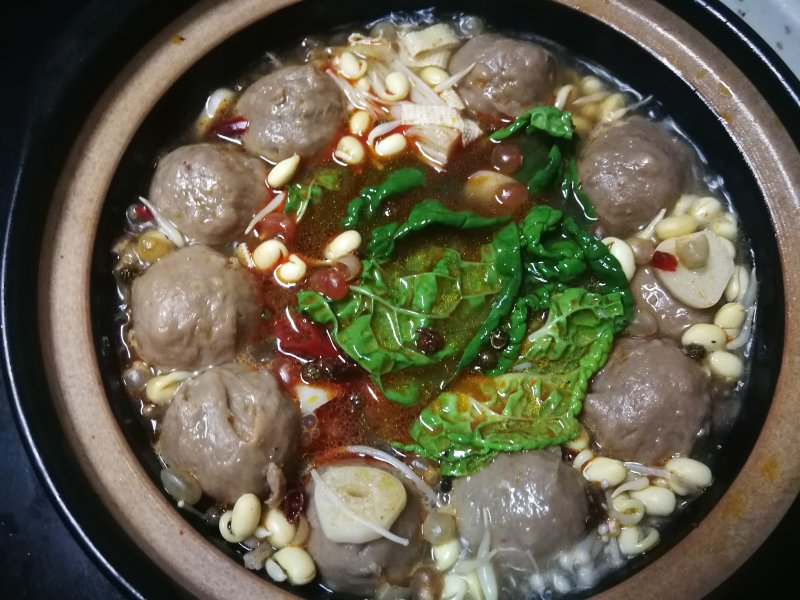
<point>453,79</point>
<point>382,129</point>
<point>358,98</point>
<point>634,484</point>
<point>430,96</point>
<point>484,571</point>
<point>397,464</point>
<point>270,207</point>
<point>648,471</point>
<point>166,226</point>
<point>749,296</point>
<point>744,335</point>
<point>596,97</point>
<point>647,232</point>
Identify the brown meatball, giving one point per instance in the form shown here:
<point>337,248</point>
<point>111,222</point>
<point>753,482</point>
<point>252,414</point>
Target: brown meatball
<point>648,403</point>
<point>226,426</point>
<point>672,316</point>
<point>535,502</point>
<point>631,171</point>
<point>192,309</point>
<point>360,568</point>
<point>509,75</point>
<point>210,191</point>
<point>293,110</point>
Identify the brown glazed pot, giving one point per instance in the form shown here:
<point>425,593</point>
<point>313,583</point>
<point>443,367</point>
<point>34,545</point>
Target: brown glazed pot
<point>737,517</point>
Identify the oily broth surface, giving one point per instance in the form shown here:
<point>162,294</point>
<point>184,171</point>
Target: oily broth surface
<point>358,415</point>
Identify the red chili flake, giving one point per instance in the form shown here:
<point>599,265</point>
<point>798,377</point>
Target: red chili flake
<point>231,127</point>
<point>664,261</point>
<point>142,212</point>
<point>293,503</point>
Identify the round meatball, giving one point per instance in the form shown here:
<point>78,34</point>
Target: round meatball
<point>630,172</point>
<point>536,505</point>
<point>226,426</point>
<point>648,403</point>
<point>672,316</point>
<point>509,75</point>
<point>192,309</point>
<point>292,110</point>
<point>360,568</point>
<point>210,191</point>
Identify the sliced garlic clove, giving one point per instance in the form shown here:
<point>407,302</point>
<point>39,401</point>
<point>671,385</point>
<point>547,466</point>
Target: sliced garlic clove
<point>371,493</point>
<point>703,287</point>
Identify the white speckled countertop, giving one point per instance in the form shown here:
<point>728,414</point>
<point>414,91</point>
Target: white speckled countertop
<point>777,21</point>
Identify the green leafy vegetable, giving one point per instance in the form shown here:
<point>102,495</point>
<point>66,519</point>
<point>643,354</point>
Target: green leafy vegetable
<point>547,175</point>
<point>378,323</point>
<point>370,199</point>
<point>532,398</point>
<point>299,196</point>
<point>546,118</point>
<point>517,328</point>
<point>507,264</point>
<point>560,169</point>
<point>572,193</point>
<point>425,214</point>
<point>532,407</point>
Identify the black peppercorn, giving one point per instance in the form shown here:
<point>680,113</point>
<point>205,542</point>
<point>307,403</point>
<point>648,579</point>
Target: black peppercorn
<point>499,339</point>
<point>126,275</point>
<point>355,402</point>
<point>486,359</point>
<point>695,351</point>
<point>311,371</point>
<point>429,340</point>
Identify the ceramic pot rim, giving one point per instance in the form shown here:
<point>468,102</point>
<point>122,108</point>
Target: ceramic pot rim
<point>761,493</point>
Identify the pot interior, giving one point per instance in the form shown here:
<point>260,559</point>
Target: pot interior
<point>584,36</point>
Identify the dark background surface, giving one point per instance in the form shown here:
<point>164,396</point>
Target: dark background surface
<point>39,555</point>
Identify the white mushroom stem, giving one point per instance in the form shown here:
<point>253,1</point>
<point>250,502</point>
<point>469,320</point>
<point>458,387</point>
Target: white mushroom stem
<point>399,465</point>
<point>322,486</point>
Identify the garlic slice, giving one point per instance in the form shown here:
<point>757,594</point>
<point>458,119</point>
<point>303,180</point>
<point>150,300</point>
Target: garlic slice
<point>703,287</point>
<point>370,495</point>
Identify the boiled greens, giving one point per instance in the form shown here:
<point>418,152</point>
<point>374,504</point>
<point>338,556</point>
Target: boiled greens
<point>379,322</point>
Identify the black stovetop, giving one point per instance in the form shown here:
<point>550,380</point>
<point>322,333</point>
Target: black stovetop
<point>39,555</point>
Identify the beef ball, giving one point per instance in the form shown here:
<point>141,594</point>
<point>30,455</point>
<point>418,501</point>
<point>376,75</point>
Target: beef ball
<point>631,171</point>
<point>226,426</point>
<point>360,568</point>
<point>536,504</point>
<point>210,191</point>
<point>192,309</point>
<point>648,403</point>
<point>672,316</point>
<point>509,75</point>
<point>292,110</point>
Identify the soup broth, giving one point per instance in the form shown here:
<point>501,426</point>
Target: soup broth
<point>425,310</point>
